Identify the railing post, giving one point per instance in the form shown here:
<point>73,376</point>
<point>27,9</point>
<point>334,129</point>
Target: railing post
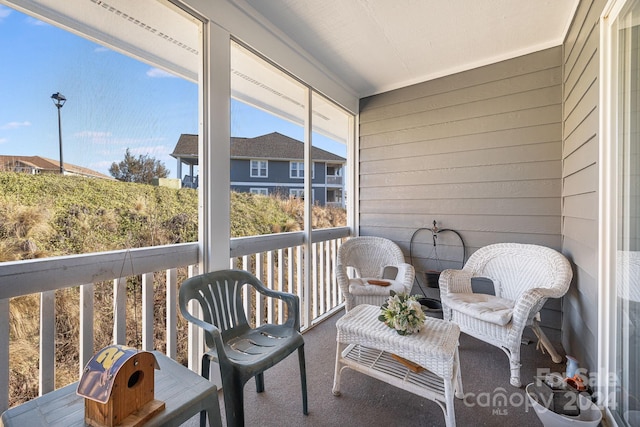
<point>313,293</point>
<point>327,276</point>
<point>4,354</point>
<point>290,265</point>
<point>304,304</point>
<point>334,283</point>
<point>246,296</point>
<point>86,325</point>
<point>259,298</point>
<point>281,286</point>
<point>47,341</point>
<point>147,312</point>
<point>270,284</point>
<point>195,334</point>
<point>172,315</point>
<point>320,272</point>
<point>120,311</point>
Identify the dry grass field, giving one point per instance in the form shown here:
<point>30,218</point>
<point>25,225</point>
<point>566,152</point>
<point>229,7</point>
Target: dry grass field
<point>49,215</point>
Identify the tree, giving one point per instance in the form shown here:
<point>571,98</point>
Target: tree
<point>142,169</point>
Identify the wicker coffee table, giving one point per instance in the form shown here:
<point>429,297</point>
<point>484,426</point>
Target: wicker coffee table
<point>367,345</point>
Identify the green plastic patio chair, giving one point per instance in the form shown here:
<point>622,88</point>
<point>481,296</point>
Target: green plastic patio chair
<point>241,351</point>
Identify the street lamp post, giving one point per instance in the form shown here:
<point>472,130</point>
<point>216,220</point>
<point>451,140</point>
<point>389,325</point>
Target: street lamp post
<point>59,100</point>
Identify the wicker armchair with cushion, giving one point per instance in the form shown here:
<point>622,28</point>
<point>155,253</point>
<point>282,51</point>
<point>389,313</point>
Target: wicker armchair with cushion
<point>377,266</point>
<point>524,277</point>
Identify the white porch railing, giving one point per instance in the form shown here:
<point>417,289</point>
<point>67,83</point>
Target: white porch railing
<point>280,257</point>
<point>334,180</point>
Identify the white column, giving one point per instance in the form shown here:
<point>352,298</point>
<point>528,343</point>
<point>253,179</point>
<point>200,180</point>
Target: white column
<point>214,150</point>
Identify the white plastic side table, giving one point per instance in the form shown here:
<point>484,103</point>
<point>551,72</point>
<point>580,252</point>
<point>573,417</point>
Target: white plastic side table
<point>184,392</point>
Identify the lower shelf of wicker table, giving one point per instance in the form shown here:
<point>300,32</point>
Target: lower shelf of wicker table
<point>382,366</point>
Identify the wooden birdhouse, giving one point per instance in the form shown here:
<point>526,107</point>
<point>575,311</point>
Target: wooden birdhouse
<point>118,387</point>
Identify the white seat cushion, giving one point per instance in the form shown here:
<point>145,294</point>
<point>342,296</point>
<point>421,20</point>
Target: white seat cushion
<point>484,307</point>
<point>360,286</point>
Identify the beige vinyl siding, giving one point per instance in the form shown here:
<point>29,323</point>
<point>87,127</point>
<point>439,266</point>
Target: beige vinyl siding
<point>580,181</point>
<point>480,152</point>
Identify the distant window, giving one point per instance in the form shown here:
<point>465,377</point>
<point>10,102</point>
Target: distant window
<point>259,168</point>
<point>296,169</point>
<point>261,191</point>
<point>297,193</point>
<point>334,196</point>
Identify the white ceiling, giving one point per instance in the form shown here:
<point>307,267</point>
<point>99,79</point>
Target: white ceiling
<point>157,33</point>
<point>378,45</point>
<point>372,46</point>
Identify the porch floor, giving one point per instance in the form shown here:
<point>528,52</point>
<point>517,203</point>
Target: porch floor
<point>368,402</point>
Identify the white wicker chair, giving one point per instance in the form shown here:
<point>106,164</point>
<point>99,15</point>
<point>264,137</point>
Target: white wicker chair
<point>371,258</point>
<point>524,276</point>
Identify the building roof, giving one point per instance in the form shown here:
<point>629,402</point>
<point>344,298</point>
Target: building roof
<point>277,146</point>
<point>272,146</point>
<point>45,164</point>
<point>187,146</point>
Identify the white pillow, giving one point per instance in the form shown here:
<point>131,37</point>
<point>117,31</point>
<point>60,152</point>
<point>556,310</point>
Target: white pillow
<point>484,307</point>
<point>361,286</point>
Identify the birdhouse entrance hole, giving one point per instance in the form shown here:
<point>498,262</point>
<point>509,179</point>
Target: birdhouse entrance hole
<point>135,379</point>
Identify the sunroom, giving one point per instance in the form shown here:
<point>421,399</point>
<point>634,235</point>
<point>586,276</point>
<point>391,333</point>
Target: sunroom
<point>504,121</point>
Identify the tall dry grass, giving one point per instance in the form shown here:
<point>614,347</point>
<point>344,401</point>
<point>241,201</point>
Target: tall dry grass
<point>321,216</point>
<point>42,227</point>
<point>21,227</point>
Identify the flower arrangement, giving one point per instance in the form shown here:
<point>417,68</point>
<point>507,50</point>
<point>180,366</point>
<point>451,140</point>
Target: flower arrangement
<point>402,313</point>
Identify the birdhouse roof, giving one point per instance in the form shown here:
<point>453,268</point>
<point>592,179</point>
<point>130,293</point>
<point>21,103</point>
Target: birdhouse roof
<point>100,373</point>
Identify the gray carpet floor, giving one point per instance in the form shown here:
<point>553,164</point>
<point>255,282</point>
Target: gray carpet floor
<point>369,402</point>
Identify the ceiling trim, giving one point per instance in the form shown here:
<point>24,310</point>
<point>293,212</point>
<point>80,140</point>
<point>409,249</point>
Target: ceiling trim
<point>464,67</point>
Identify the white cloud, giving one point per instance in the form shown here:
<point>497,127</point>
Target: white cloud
<point>101,49</point>
<point>134,142</point>
<point>35,22</point>
<point>103,165</point>
<point>153,151</point>
<point>107,139</point>
<point>4,12</point>
<point>92,134</point>
<point>15,125</point>
<point>106,146</point>
<point>3,140</point>
<point>158,73</point>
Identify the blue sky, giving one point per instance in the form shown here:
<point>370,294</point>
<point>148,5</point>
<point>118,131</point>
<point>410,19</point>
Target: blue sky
<point>113,102</point>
